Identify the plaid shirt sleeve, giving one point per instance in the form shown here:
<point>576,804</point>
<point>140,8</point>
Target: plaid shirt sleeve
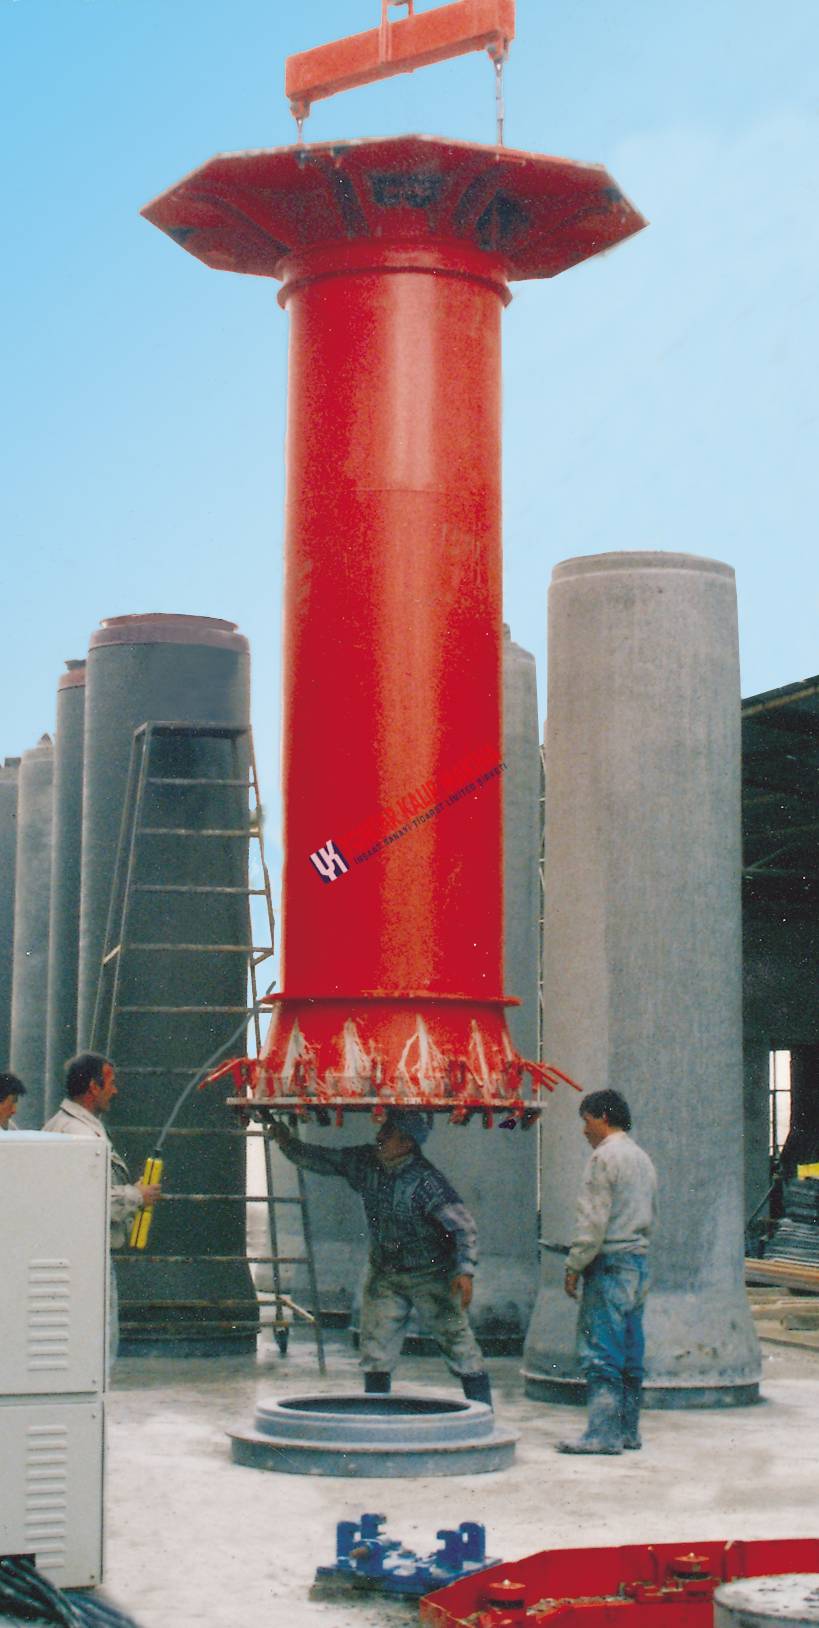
<point>454,1217</point>
<point>345,1162</point>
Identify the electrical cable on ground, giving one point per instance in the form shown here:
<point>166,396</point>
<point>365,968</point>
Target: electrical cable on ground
<point>26,1597</point>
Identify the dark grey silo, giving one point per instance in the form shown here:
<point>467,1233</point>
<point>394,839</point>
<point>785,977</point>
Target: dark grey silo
<point>63,938</point>
<point>193,670</point>
<point>9,776</point>
<point>31,916</point>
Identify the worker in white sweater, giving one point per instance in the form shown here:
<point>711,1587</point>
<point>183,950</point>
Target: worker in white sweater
<point>90,1088</point>
<point>616,1214</point>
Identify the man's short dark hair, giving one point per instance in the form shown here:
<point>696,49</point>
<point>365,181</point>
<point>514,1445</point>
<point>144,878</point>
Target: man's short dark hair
<point>608,1105</point>
<point>83,1071</point>
<point>10,1086</point>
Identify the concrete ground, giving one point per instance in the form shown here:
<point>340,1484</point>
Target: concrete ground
<point>193,1539</point>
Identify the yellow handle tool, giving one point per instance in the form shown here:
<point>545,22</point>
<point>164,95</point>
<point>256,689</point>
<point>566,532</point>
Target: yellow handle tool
<point>141,1225</point>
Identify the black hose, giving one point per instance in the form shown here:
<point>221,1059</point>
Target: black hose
<point>26,1596</point>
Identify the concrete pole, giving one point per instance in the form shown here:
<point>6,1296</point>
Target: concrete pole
<point>64,937</point>
<point>32,903</point>
<point>642,966</point>
<point>9,776</point>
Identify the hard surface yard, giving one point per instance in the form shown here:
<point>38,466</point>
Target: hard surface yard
<point>194,1539</point>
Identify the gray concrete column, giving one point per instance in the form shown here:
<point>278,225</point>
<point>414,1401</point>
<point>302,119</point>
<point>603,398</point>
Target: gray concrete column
<point>64,934</point>
<point>642,974</point>
<point>9,776</point>
<point>35,804</point>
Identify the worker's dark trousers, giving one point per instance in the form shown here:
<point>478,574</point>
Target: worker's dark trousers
<point>386,1308</point>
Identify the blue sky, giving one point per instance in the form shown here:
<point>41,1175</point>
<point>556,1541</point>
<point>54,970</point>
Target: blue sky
<point>663,396</point>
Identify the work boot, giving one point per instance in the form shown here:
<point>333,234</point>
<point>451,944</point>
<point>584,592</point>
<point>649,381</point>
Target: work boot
<point>477,1388</point>
<point>604,1431</point>
<point>632,1395</point>
<point>377,1382</point>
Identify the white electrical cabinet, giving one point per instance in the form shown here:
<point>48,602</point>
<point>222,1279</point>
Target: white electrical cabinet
<point>53,1318</point>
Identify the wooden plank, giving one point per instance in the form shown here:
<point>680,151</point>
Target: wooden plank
<point>785,1274</point>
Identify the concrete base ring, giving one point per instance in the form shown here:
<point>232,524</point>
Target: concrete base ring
<point>668,1398</point>
<point>404,1434</point>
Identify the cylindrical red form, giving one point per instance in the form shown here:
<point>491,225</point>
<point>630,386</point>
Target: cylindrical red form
<point>392,633</point>
<point>392,650</point>
<point>394,257</point>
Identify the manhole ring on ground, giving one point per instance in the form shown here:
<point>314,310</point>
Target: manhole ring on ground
<point>405,1434</point>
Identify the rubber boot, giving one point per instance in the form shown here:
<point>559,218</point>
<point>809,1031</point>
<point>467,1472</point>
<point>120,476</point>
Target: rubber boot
<point>477,1387</point>
<point>377,1382</point>
<point>604,1430</point>
<point>632,1395</point>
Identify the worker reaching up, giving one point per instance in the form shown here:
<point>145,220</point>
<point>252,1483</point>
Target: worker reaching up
<point>423,1247</point>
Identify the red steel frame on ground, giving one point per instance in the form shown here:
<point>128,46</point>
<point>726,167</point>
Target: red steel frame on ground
<point>395,258</point>
<point>644,1585</point>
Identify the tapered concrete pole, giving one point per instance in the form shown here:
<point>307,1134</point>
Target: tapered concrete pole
<point>9,776</point>
<point>642,967</point>
<point>63,939</point>
<point>32,902</point>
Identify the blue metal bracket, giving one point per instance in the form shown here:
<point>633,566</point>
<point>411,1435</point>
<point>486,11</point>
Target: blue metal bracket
<point>366,1556</point>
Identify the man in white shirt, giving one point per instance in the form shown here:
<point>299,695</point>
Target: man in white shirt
<point>90,1088</point>
<point>616,1214</point>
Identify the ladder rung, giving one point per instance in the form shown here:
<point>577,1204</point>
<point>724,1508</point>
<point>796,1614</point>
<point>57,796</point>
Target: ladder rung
<point>189,831</point>
<point>224,949</point>
<point>222,1198</point>
<point>111,954</point>
<point>185,780</point>
<point>192,887</point>
<point>127,1257</point>
<point>205,1010</point>
<point>195,731</point>
<point>126,1069</point>
<point>232,1198</point>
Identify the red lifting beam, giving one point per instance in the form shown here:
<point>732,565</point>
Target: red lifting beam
<point>415,41</point>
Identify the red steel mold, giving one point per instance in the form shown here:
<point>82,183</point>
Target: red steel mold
<point>394,258</point>
<point>645,1585</point>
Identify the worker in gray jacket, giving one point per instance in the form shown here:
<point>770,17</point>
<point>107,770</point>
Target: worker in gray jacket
<point>616,1214</point>
<point>423,1247</point>
<point>90,1088</point>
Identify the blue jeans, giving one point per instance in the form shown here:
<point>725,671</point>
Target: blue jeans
<point>610,1343</point>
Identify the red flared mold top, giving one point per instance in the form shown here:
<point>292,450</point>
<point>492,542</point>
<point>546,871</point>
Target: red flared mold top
<point>532,216</point>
